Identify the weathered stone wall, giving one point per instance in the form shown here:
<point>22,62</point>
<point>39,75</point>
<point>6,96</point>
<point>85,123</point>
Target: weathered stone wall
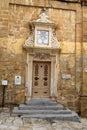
<point>11,58</point>
<point>84,61</point>
<point>14,30</point>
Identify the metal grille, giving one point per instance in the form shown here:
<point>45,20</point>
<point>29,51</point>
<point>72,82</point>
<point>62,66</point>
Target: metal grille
<point>41,79</point>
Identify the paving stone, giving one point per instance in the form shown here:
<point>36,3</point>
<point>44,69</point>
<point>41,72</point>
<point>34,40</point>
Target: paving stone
<point>84,121</point>
<point>0,122</point>
<point>3,127</point>
<point>4,109</point>
<point>40,121</point>
<point>75,125</point>
<point>8,121</point>
<point>42,128</point>
<point>27,121</point>
<point>13,128</point>
<point>26,128</point>
<point>27,125</point>
<point>11,118</point>
<point>18,122</point>
<point>57,128</point>
<point>67,129</point>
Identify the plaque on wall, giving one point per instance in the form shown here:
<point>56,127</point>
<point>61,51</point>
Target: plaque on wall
<point>85,69</point>
<point>18,80</point>
<point>66,76</point>
<point>4,82</point>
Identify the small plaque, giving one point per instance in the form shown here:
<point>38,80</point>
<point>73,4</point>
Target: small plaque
<point>85,69</point>
<point>18,80</point>
<point>4,82</point>
<point>66,76</point>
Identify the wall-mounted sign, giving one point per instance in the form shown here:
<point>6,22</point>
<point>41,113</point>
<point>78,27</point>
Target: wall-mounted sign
<point>85,69</point>
<point>66,76</point>
<point>18,80</point>
<point>4,82</point>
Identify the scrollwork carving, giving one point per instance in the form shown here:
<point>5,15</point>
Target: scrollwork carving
<point>42,20</point>
<point>42,56</point>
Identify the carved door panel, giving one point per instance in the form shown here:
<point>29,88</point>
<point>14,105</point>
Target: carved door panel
<point>41,79</point>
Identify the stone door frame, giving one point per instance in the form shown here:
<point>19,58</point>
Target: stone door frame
<point>47,56</point>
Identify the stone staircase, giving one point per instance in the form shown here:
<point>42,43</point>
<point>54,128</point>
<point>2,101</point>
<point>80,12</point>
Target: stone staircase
<point>44,108</point>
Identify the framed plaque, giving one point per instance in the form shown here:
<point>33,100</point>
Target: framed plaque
<point>18,80</point>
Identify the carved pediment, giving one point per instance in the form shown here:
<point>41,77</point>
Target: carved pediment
<point>42,21</point>
<point>30,41</point>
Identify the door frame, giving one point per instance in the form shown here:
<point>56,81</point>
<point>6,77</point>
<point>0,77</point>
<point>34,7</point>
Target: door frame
<point>48,56</point>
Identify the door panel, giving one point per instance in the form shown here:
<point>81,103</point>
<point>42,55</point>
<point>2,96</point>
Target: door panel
<point>41,79</point>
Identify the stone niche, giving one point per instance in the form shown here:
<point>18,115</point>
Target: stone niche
<point>46,51</point>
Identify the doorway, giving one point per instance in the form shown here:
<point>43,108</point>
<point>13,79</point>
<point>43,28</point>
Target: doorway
<point>41,79</point>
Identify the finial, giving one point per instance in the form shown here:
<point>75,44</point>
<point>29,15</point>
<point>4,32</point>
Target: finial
<point>43,10</point>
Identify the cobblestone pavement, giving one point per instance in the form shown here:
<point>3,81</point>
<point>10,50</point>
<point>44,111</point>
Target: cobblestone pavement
<point>7,122</point>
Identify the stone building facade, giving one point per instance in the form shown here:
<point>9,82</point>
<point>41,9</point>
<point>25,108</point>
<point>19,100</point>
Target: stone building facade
<point>62,58</point>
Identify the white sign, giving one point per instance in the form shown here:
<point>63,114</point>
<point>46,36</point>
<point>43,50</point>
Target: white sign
<point>85,69</point>
<point>4,82</point>
<point>66,76</point>
<point>18,80</point>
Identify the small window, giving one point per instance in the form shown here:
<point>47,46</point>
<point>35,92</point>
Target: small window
<point>42,37</point>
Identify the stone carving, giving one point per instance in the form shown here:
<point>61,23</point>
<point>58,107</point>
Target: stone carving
<point>42,20</point>
<point>42,55</point>
<point>54,41</point>
<point>30,41</point>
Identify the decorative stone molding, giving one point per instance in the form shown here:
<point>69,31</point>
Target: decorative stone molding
<point>54,41</point>
<point>42,55</point>
<point>42,21</point>
<point>30,41</point>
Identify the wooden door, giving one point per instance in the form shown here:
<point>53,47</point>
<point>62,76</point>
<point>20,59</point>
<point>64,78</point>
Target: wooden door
<point>41,79</point>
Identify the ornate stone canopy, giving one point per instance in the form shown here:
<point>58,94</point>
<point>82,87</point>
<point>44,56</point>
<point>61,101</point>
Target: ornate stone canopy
<point>42,21</point>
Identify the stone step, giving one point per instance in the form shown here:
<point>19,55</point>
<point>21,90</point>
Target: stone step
<point>41,102</point>
<point>34,112</point>
<point>68,117</point>
<point>38,100</point>
<point>42,107</point>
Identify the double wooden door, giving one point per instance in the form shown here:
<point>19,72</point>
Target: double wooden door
<point>41,79</point>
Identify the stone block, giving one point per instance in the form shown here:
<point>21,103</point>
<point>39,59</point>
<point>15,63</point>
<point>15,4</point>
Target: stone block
<point>85,28</point>
<point>84,106</point>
